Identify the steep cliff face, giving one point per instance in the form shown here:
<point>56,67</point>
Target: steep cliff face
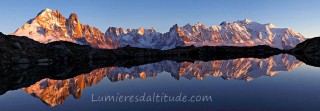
<point>49,26</point>
<point>74,26</point>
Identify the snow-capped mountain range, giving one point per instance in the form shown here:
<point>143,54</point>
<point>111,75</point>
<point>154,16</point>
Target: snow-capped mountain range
<point>49,26</point>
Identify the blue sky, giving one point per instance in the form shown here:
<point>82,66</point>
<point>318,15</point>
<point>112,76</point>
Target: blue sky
<point>301,15</point>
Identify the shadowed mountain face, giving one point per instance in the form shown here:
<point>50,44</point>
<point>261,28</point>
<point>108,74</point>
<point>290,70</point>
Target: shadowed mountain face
<point>55,92</point>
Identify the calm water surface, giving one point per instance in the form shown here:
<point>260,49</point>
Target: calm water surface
<point>277,83</point>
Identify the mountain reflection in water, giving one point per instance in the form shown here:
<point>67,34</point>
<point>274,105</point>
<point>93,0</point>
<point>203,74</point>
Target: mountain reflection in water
<point>55,92</point>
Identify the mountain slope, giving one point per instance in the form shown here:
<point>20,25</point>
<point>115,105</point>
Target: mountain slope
<point>51,26</point>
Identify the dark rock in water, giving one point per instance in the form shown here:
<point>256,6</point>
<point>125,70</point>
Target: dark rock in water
<point>308,51</point>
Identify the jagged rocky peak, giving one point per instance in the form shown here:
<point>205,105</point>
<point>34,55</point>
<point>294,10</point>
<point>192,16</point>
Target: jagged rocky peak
<point>143,31</point>
<point>49,26</point>
<point>49,18</point>
<point>74,17</point>
<point>140,37</point>
<point>238,22</point>
<point>270,25</point>
<point>224,23</point>
<point>49,12</point>
<point>46,12</point>
<point>114,31</point>
<point>152,29</point>
<point>140,31</point>
<point>74,26</point>
<point>246,21</point>
<point>175,29</point>
<point>199,24</point>
<point>188,25</point>
<point>175,26</point>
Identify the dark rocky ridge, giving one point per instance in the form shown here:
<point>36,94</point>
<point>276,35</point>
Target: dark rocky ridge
<point>308,51</point>
<point>24,61</point>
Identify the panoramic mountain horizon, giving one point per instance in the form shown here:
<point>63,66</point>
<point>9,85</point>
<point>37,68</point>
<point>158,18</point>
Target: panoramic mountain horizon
<point>160,55</point>
<point>152,27</point>
<point>50,25</point>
